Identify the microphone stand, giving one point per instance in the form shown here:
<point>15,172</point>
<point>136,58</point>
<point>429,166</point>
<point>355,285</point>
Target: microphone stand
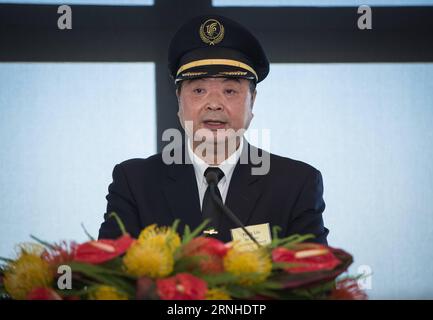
<point>225,209</point>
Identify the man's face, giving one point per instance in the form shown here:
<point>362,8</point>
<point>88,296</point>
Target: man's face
<point>215,104</point>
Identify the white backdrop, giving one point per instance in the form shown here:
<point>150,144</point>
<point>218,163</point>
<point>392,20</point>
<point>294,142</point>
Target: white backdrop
<point>369,129</point>
<point>63,127</point>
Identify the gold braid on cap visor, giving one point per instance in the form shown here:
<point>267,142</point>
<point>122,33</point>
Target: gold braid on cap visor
<point>224,62</point>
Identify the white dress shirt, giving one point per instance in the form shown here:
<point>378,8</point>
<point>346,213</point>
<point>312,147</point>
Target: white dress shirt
<point>227,166</point>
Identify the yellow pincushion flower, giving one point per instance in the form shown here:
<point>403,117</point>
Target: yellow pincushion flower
<point>27,272</point>
<point>151,258</point>
<point>162,235</point>
<point>107,293</point>
<point>217,294</point>
<point>250,266</point>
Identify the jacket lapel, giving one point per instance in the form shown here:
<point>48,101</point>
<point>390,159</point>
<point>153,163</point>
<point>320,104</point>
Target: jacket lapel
<point>181,193</point>
<point>244,190</point>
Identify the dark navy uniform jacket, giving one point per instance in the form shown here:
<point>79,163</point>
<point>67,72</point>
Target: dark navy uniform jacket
<point>148,191</point>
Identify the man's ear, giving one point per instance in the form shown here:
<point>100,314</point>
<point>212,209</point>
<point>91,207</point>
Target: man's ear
<point>180,117</point>
<point>179,111</point>
<point>253,98</point>
<point>251,114</point>
<point>178,104</point>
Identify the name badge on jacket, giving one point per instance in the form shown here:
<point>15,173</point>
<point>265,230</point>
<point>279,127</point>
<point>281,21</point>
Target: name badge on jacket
<point>261,232</point>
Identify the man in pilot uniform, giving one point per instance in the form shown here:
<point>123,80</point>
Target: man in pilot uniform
<point>216,64</point>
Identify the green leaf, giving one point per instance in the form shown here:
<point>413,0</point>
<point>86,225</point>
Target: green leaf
<point>268,293</point>
<point>239,292</point>
<point>292,295</point>
<point>87,233</point>
<point>287,242</point>
<point>115,265</point>
<point>44,243</point>
<point>175,225</point>
<point>291,240</point>
<point>90,269</point>
<point>184,264</point>
<point>285,265</point>
<point>105,276</point>
<point>273,285</point>
<point>188,236</point>
<point>119,222</point>
<point>6,259</point>
<point>275,231</point>
<point>224,278</point>
<point>298,239</point>
<point>200,228</point>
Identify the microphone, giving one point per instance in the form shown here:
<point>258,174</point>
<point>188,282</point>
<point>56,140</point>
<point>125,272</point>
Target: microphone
<point>212,180</point>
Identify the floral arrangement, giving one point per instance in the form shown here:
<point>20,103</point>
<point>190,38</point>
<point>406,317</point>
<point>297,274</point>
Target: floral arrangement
<point>161,264</point>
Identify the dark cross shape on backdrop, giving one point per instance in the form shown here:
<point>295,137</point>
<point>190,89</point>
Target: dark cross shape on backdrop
<point>29,33</point>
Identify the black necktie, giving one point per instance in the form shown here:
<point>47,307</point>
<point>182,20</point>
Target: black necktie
<point>209,208</point>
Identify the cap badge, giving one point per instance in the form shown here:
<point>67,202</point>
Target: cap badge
<point>211,32</point>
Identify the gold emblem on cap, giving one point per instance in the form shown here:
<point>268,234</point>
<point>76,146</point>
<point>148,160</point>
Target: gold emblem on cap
<point>211,32</point>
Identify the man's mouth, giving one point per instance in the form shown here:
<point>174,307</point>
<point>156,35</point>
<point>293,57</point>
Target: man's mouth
<point>214,124</point>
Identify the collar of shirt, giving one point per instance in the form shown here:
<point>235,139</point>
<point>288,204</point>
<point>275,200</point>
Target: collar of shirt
<point>227,166</point>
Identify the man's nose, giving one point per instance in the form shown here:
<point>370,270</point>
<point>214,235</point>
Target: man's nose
<point>214,101</point>
<point>214,106</point>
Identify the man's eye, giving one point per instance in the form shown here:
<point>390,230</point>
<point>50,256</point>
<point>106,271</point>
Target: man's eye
<point>198,90</point>
<point>230,91</point>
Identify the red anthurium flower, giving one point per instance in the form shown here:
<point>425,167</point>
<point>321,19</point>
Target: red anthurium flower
<point>183,286</point>
<point>315,258</point>
<point>212,252</point>
<point>43,294</point>
<point>100,251</point>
